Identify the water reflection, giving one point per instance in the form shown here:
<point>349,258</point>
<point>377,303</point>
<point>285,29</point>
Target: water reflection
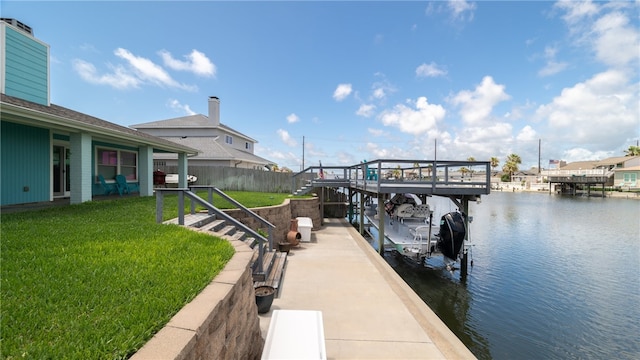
<point>553,277</point>
<point>446,295</point>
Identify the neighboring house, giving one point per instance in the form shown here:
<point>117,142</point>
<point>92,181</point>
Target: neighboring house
<point>218,144</point>
<point>48,151</point>
<point>628,177</point>
<point>617,171</point>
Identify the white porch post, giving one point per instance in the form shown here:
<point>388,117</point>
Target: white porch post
<point>182,170</point>
<point>81,179</point>
<point>145,170</point>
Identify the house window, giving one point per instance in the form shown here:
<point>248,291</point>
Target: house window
<point>113,162</point>
<point>228,139</point>
<point>247,146</point>
<point>630,177</point>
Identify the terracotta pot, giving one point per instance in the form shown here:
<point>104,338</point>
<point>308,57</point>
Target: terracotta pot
<point>293,237</point>
<point>264,298</point>
<point>294,225</point>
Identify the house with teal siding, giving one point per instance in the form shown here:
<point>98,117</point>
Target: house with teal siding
<point>49,151</point>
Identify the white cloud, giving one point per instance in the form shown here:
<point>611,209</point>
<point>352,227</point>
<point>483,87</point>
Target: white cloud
<point>418,120</point>
<point>379,93</point>
<point>292,118</point>
<point>136,72</point>
<point>430,70</point>
<point>176,105</point>
<point>476,105</point>
<point>582,154</point>
<point>527,134</point>
<point>616,42</point>
<point>119,78</point>
<point>197,63</point>
<point>552,67</point>
<point>461,9</point>
<point>375,132</point>
<point>577,10</point>
<point>148,71</point>
<point>286,138</point>
<point>366,110</point>
<point>342,91</point>
<point>600,112</point>
<point>605,28</point>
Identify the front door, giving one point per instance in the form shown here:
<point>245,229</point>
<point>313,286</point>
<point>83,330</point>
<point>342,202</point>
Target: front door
<point>61,171</point>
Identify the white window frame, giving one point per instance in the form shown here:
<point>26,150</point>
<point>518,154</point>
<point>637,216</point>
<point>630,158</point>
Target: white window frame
<point>228,139</point>
<point>119,166</point>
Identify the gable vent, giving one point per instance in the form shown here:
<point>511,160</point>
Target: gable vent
<point>24,27</point>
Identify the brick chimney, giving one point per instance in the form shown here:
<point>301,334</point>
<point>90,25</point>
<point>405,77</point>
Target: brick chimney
<point>214,110</point>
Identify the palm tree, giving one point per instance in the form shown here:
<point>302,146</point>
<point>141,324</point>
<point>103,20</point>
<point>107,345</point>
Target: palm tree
<point>470,158</point>
<point>397,172</point>
<point>511,165</point>
<point>632,151</point>
<point>494,163</point>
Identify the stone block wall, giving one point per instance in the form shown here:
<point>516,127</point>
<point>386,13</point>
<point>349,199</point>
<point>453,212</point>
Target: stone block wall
<point>220,323</point>
<point>307,207</point>
<point>281,215</point>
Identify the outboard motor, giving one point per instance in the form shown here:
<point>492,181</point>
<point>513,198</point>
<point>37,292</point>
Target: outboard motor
<point>452,233</point>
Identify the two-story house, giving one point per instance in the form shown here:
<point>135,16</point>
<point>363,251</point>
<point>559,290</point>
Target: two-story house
<point>49,151</point>
<point>217,144</point>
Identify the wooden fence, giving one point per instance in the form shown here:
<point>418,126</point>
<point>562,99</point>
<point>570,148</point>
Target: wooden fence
<point>238,179</point>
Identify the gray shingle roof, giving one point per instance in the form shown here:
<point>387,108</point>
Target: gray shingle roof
<point>76,120</point>
<point>212,150</point>
<point>197,121</point>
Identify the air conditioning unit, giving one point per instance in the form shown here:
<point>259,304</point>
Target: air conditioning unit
<point>24,27</point>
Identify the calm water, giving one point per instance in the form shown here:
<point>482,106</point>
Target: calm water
<point>552,278</point>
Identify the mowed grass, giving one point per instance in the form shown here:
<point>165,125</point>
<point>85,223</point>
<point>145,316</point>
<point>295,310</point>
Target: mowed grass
<point>97,280</point>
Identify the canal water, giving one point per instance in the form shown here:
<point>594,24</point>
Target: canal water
<point>553,277</point>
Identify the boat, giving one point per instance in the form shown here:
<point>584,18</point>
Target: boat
<point>411,231</point>
<point>173,179</point>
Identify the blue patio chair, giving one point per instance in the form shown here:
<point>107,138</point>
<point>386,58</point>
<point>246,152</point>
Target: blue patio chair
<point>108,188</point>
<point>122,185</point>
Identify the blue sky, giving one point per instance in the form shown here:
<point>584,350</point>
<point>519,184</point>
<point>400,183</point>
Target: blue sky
<point>359,80</point>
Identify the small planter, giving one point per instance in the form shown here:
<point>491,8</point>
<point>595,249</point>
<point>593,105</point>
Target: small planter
<point>284,246</point>
<point>264,298</point>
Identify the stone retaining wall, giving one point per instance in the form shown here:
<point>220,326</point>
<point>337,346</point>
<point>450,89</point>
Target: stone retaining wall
<point>222,321</point>
<point>281,215</point>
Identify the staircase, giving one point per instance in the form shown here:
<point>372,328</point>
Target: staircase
<point>267,268</point>
<point>304,189</point>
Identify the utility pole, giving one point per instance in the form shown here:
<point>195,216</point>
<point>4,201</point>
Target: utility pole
<point>302,153</point>
<point>539,146</point>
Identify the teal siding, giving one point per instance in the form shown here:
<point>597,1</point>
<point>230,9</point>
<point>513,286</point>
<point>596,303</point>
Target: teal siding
<point>26,67</point>
<point>25,161</point>
<point>61,137</point>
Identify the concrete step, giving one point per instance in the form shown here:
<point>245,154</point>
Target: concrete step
<point>227,230</point>
<point>214,226</point>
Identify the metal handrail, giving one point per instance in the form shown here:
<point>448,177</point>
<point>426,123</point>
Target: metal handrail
<point>181,192</point>
<point>263,221</point>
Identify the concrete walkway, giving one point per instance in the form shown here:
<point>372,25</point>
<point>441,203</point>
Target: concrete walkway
<point>369,312</point>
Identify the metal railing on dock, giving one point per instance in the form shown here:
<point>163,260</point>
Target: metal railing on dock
<point>386,176</point>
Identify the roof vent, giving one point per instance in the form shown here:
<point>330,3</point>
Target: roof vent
<point>24,27</point>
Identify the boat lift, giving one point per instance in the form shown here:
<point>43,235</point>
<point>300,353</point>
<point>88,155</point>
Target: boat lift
<point>460,181</point>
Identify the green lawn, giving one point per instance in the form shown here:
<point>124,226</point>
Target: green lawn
<point>97,280</point>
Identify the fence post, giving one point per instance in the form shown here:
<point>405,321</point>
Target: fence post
<point>159,205</point>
